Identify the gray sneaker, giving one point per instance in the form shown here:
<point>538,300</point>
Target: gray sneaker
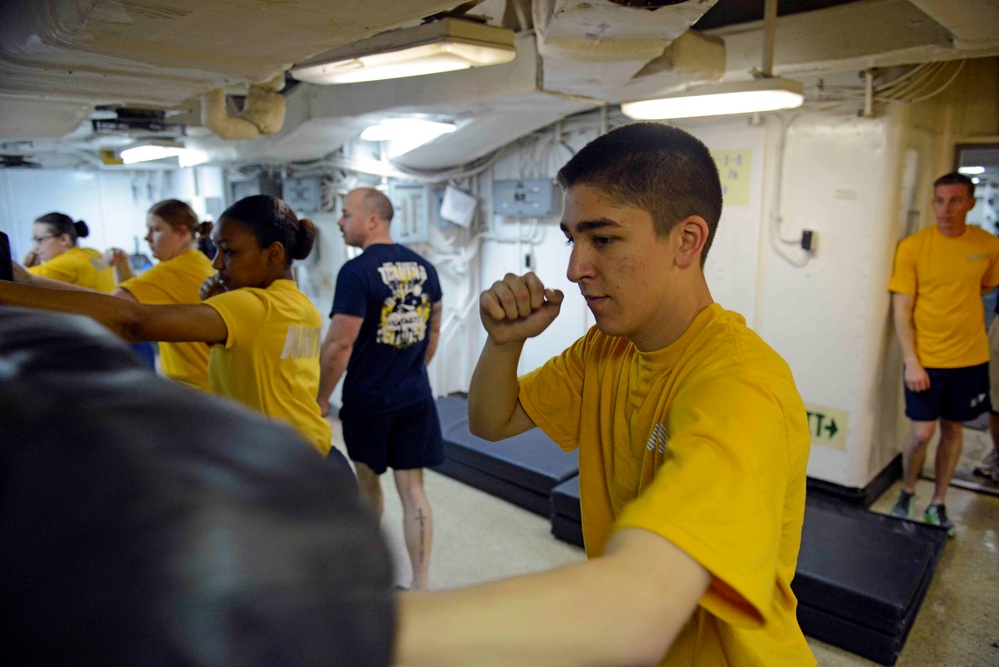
<point>905,506</point>
<point>989,468</point>
<point>937,515</point>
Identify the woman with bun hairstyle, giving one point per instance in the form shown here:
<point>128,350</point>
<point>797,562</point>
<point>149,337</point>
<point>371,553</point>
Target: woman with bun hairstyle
<point>56,255</point>
<point>263,330</point>
<point>172,233</point>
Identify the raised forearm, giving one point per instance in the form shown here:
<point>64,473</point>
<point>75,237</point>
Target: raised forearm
<point>123,271</point>
<point>493,392</point>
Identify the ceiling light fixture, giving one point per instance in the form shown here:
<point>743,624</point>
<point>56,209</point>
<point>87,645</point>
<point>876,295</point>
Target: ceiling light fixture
<point>723,98</point>
<point>971,170</point>
<point>764,93</point>
<point>153,150</point>
<point>405,134</point>
<point>391,129</point>
<point>442,46</point>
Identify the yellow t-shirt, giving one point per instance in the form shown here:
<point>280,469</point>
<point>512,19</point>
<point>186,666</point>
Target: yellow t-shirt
<point>705,443</point>
<point>177,280</point>
<point>270,360</point>
<point>947,277</point>
<point>78,266</point>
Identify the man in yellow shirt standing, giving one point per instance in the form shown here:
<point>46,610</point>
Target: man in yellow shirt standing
<point>692,441</point>
<point>939,277</point>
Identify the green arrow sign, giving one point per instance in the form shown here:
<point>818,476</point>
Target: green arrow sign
<point>828,426</point>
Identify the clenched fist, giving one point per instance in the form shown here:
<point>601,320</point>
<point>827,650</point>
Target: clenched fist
<point>517,308</point>
<point>211,287</point>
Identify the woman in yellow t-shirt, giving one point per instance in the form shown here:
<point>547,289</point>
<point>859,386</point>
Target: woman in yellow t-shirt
<point>56,255</point>
<point>173,230</point>
<point>263,330</point>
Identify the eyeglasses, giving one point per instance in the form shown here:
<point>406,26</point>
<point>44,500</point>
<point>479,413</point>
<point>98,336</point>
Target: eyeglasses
<point>39,239</point>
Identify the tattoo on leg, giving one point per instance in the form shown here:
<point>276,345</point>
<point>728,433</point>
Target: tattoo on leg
<point>422,520</point>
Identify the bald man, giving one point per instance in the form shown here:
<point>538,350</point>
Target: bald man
<point>385,326</point>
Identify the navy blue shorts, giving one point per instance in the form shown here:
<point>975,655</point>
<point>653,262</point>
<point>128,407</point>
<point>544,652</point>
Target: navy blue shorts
<point>955,394</point>
<point>402,440</point>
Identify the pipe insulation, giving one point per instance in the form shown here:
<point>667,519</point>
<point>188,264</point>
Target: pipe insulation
<point>262,114</point>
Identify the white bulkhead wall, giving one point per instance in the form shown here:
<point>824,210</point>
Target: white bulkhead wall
<point>831,318</point>
<point>113,204</point>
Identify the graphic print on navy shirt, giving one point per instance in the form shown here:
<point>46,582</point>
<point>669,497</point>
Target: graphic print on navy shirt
<point>406,311</point>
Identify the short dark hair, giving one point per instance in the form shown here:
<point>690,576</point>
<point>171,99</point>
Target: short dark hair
<point>271,220</point>
<point>955,178</point>
<point>658,168</point>
<point>60,223</point>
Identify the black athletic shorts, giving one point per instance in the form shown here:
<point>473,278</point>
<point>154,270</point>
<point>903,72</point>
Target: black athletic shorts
<point>402,440</point>
<point>955,394</point>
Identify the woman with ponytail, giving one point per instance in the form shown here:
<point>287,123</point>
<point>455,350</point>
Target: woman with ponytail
<point>55,254</point>
<point>172,233</point>
<point>263,331</point>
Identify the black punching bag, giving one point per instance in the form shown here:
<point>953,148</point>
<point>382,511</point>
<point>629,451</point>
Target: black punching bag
<point>144,523</point>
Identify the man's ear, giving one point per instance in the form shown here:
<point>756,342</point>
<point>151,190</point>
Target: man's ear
<point>691,235</point>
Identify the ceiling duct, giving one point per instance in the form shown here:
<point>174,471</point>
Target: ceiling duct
<point>28,118</point>
<point>491,106</point>
<point>591,47</point>
<point>813,42</point>
<point>156,53</point>
<point>973,23</point>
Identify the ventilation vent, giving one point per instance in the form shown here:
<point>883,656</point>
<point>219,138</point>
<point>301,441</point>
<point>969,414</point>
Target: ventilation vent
<point>13,161</point>
<point>137,120</point>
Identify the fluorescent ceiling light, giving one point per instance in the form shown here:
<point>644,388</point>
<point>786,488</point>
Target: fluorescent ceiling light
<point>766,94</point>
<point>150,151</point>
<point>405,134</point>
<point>442,46</point>
<point>404,128</point>
<point>971,170</point>
<point>189,157</point>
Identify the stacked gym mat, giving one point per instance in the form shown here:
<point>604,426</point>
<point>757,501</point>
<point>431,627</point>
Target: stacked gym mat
<point>861,576</point>
<point>567,522</point>
<point>522,469</point>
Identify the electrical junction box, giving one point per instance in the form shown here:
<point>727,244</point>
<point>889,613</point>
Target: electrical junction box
<point>528,198</point>
<point>303,195</point>
<point>411,222</point>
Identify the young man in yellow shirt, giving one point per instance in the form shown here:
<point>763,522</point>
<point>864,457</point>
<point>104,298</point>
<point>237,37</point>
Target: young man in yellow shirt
<point>692,441</point>
<point>939,277</point>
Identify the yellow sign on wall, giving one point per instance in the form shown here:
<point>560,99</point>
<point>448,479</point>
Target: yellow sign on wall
<point>827,426</point>
<point>733,168</point>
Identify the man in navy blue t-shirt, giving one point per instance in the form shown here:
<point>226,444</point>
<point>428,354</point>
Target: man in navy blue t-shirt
<point>386,323</point>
